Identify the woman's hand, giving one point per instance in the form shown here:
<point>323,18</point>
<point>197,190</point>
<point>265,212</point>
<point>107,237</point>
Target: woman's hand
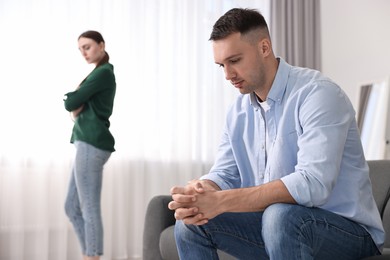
<point>75,113</point>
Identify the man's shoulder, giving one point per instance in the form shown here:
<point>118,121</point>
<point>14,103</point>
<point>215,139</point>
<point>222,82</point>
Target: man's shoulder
<point>307,80</point>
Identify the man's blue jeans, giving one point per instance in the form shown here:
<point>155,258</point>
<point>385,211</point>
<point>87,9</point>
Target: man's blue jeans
<point>282,231</point>
<point>83,200</point>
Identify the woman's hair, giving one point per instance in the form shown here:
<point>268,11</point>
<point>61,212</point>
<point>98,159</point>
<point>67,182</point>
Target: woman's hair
<point>238,20</point>
<point>98,38</point>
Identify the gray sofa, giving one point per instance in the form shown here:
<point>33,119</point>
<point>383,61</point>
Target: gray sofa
<point>159,242</point>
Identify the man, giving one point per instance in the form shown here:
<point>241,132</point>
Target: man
<point>290,180</point>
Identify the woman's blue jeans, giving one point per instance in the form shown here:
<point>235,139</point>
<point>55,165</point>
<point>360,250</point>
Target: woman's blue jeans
<point>282,231</point>
<point>82,204</point>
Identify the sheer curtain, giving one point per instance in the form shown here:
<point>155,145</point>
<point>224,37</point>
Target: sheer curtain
<point>168,116</point>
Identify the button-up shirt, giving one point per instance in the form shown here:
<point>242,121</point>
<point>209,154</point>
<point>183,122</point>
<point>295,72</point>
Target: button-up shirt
<point>304,134</point>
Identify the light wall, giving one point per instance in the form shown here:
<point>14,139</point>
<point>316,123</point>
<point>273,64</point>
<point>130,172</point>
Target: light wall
<point>355,42</point>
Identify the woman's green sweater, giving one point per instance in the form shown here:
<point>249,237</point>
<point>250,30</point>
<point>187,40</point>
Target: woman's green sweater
<point>97,94</point>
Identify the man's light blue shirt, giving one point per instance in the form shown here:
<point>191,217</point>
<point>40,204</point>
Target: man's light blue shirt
<point>305,134</point>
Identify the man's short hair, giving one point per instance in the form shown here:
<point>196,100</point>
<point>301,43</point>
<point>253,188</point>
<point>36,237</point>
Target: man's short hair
<point>238,20</point>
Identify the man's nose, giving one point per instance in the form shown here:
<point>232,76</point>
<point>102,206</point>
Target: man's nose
<point>229,73</point>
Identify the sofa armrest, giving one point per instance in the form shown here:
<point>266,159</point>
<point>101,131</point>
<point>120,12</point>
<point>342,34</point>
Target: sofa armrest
<point>158,217</point>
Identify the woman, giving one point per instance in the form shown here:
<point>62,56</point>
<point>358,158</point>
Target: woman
<point>91,105</point>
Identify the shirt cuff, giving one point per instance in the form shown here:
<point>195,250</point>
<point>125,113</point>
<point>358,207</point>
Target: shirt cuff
<point>217,180</point>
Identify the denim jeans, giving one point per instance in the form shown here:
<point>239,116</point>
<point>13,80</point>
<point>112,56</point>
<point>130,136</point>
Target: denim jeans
<point>82,204</point>
<point>282,231</point>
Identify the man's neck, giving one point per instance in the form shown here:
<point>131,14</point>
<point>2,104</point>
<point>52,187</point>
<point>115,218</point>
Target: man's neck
<point>270,77</point>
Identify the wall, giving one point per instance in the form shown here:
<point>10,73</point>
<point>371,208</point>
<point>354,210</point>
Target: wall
<point>355,42</point>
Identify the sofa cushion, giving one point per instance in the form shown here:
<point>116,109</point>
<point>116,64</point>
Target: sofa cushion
<point>167,244</point>
<point>386,225</point>
<point>380,179</point>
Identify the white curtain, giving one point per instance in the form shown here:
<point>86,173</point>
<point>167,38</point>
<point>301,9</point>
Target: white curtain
<point>168,116</point>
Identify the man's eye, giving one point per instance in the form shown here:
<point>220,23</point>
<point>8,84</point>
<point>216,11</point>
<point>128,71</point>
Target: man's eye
<point>220,65</point>
<point>234,61</point>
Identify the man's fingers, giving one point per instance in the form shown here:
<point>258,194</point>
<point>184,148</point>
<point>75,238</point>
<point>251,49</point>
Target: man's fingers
<point>182,213</point>
<point>174,205</point>
<point>181,201</point>
<point>201,222</point>
<point>199,187</point>
<point>177,190</point>
<point>180,198</point>
<point>171,205</point>
<point>198,219</point>
<point>190,216</point>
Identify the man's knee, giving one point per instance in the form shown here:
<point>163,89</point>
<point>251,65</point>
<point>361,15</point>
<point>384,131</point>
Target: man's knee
<point>179,229</point>
<point>281,222</point>
<point>185,232</point>
<point>272,218</point>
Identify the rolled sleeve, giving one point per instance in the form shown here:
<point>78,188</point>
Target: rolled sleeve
<point>301,189</point>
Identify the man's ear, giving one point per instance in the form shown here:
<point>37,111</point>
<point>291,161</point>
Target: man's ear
<point>265,47</point>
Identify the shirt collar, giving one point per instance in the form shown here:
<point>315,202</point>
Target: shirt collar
<point>253,100</point>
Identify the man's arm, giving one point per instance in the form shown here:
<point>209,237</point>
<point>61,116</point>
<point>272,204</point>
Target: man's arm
<point>198,207</point>
<point>252,199</point>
